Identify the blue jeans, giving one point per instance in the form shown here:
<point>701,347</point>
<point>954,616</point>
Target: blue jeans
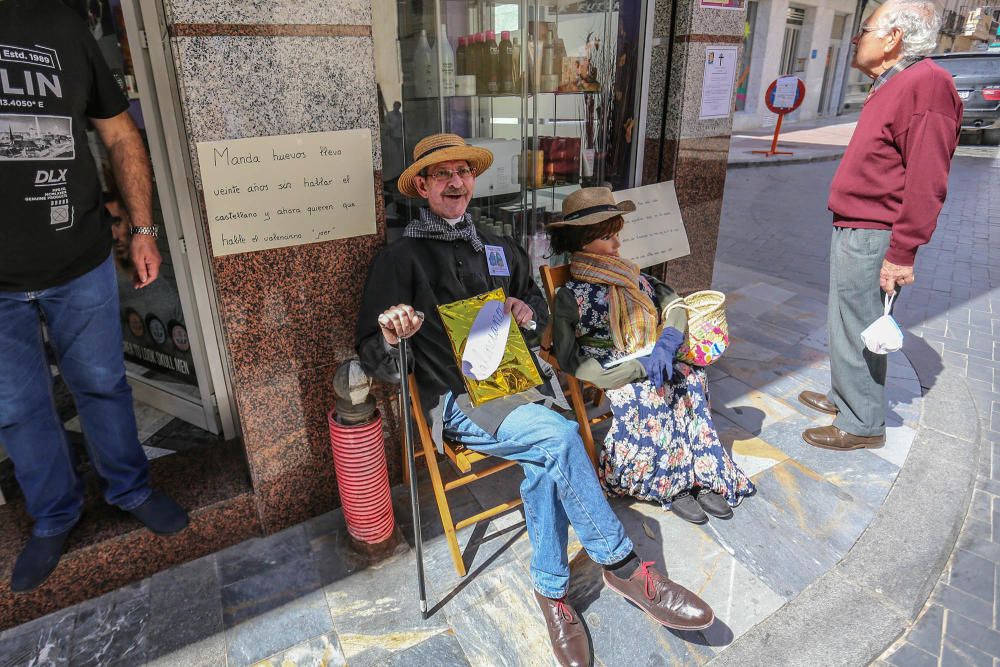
<point>84,329</point>
<point>559,487</point>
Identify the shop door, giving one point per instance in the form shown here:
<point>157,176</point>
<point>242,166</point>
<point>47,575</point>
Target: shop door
<point>830,72</point>
<point>164,347</point>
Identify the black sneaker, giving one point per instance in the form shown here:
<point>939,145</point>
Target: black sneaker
<point>37,561</point>
<point>686,507</point>
<point>161,514</point>
<point>715,504</point>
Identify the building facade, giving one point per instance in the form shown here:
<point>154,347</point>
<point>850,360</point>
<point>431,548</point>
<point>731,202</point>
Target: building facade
<point>810,40</point>
<point>245,344</point>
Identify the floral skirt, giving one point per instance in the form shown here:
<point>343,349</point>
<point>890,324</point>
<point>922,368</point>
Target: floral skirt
<point>659,446</point>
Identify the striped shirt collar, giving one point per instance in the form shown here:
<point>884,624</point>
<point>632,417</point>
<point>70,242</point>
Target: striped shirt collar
<point>884,77</point>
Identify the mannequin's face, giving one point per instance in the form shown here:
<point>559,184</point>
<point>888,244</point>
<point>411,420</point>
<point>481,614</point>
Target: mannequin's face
<point>607,245</point>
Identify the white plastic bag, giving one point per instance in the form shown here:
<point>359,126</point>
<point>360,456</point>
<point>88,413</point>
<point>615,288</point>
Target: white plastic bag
<point>883,335</point>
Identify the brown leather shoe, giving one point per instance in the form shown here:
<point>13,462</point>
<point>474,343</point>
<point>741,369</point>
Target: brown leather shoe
<point>566,632</point>
<point>831,437</point>
<point>818,401</point>
<point>666,602</point>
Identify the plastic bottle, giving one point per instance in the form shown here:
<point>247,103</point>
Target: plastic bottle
<point>424,80</point>
<point>547,54</point>
<point>516,67</point>
<point>480,61</point>
<point>446,59</point>
<point>492,58</point>
<point>460,58</point>
<point>506,64</point>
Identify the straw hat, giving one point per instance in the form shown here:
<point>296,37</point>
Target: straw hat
<point>439,148</point>
<point>589,206</point>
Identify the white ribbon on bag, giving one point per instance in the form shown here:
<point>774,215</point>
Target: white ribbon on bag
<point>883,335</point>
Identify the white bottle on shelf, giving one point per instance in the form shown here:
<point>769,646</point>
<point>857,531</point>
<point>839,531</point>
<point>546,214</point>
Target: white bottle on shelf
<point>424,75</point>
<point>446,57</point>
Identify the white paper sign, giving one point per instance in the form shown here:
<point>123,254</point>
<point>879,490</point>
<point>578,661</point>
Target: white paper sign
<point>785,91</point>
<point>273,192</point>
<point>655,232</point>
<point>487,341</point>
<point>717,83</point>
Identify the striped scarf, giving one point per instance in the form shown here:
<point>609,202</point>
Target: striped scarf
<point>633,314</point>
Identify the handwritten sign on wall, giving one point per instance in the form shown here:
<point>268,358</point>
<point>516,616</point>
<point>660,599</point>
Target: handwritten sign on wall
<point>655,232</point>
<point>293,189</point>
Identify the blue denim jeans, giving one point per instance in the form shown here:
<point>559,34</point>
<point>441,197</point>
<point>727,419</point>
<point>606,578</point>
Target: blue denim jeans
<point>559,487</point>
<point>84,329</point>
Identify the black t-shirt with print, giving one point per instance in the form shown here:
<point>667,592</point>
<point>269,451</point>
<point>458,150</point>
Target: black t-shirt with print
<point>53,227</point>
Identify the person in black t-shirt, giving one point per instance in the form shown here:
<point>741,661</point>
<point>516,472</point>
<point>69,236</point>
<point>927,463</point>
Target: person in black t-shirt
<point>56,265</point>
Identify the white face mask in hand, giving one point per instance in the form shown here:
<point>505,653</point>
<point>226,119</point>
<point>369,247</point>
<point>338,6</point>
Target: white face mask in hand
<point>883,335</point>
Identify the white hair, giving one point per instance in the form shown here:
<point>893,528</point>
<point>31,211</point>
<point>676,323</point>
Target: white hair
<point>919,22</point>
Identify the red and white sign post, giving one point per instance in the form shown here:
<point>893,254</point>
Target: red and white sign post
<point>783,101</point>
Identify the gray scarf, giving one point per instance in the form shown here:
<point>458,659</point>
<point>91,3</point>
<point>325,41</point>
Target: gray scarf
<point>433,226</point>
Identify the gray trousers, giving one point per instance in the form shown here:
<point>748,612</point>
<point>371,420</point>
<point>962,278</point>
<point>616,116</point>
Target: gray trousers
<point>857,376</point>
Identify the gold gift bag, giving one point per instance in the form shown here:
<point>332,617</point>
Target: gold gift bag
<point>517,371</point>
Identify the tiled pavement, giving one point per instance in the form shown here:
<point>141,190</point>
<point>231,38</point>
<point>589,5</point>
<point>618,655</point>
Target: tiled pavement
<point>301,597</point>
<point>954,309</point>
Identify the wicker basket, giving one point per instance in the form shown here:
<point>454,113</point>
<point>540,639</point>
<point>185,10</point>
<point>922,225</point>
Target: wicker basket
<point>708,332</point>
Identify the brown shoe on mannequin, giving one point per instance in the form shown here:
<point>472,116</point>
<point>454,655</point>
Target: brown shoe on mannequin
<point>568,635</point>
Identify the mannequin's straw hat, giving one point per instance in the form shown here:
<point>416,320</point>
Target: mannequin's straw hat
<point>589,206</point>
<point>439,148</point>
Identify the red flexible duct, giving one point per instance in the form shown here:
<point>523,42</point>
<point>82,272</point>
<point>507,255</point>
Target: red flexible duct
<point>363,478</point>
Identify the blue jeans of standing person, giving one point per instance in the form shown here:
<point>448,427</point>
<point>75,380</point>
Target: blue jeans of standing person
<point>560,487</point>
<point>84,327</point>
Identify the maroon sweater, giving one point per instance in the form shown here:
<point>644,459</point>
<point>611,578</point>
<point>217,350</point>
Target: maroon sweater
<point>894,174</point>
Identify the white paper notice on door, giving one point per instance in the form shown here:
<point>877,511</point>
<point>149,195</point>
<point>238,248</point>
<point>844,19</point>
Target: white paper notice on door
<point>717,83</point>
<point>286,190</point>
<point>654,233</point>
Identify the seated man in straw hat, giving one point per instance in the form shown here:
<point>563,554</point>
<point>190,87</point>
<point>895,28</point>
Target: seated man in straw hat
<point>441,259</point>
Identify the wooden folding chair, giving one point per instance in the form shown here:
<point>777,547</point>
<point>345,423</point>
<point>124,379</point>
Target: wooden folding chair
<point>554,277</point>
<point>463,459</point>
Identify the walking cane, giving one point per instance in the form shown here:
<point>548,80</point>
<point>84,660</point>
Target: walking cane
<point>411,463</point>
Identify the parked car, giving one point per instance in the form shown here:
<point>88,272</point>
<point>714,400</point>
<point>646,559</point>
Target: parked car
<point>977,78</point>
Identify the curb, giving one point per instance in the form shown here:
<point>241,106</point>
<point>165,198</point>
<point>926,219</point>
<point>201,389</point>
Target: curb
<point>783,161</point>
<point>855,611</point>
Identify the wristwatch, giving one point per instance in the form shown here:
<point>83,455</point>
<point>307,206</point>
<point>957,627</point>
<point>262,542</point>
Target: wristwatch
<point>148,231</point>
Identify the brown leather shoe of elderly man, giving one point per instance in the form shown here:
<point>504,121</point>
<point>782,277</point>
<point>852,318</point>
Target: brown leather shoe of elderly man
<point>665,601</point>
<point>570,643</point>
<point>818,401</point>
<point>831,437</point>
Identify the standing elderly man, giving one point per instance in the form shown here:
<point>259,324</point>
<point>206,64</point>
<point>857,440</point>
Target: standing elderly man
<point>441,259</point>
<point>885,199</point>
<point>56,266</point>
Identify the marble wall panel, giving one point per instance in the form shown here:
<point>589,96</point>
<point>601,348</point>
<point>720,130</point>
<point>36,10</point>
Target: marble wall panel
<point>698,20</point>
<point>234,86</point>
<point>349,12</point>
<point>288,314</point>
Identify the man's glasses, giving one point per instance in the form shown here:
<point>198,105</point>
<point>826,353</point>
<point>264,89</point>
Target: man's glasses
<point>865,28</point>
<point>443,175</point>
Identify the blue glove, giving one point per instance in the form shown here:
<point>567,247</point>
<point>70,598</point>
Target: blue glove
<point>659,364</point>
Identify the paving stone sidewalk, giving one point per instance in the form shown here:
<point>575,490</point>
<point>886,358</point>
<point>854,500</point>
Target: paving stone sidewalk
<point>302,597</point>
<point>953,314</point>
<point>955,309</point>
